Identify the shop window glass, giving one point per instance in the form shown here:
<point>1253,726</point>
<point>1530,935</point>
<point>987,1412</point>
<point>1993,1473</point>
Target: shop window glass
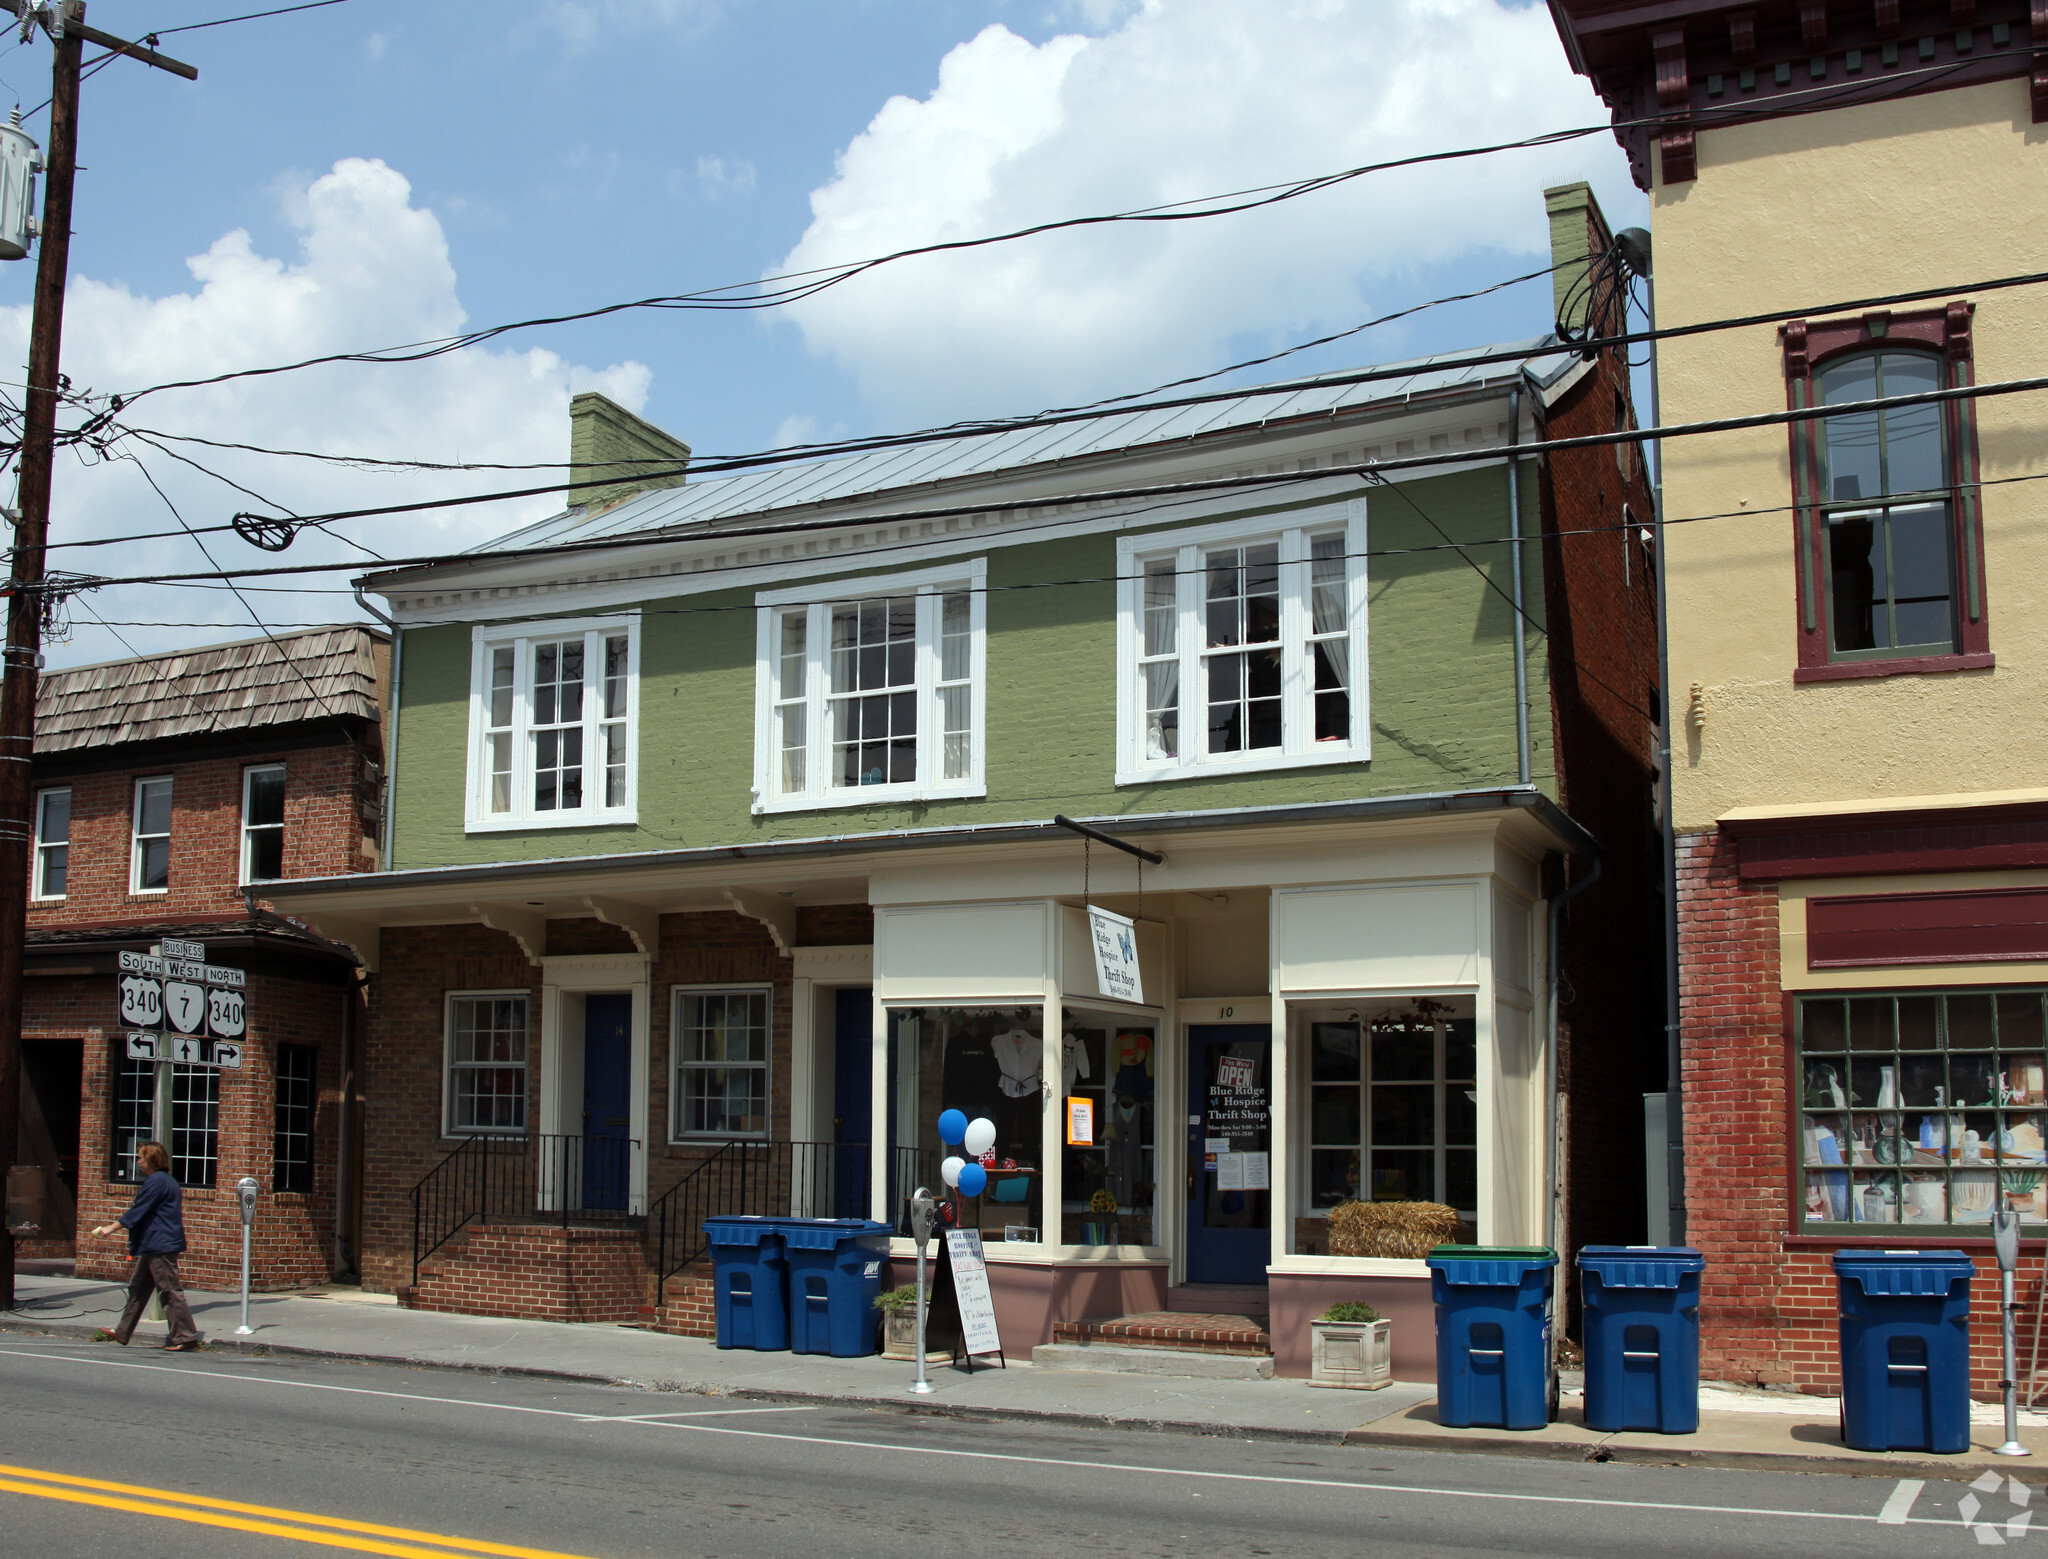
<point>195,1124</point>
<point>986,1062</point>
<point>1392,1105</point>
<point>1922,1108</point>
<point>1108,1187</point>
<point>721,1049</point>
<point>291,1158</point>
<point>134,1106</point>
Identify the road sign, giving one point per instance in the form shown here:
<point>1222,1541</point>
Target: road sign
<point>196,951</point>
<point>184,1006</point>
<point>183,969</point>
<point>225,1013</point>
<point>142,1001</point>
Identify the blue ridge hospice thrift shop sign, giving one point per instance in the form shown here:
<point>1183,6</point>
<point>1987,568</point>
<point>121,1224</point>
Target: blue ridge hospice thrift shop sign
<point>1116,956</point>
<point>178,1007</point>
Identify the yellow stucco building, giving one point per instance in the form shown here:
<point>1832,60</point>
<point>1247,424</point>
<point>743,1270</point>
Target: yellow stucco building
<point>1849,196</point>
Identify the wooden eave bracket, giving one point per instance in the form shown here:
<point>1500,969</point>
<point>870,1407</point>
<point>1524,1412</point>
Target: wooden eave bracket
<point>361,935</point>
<point>529,930</point>
<point>643,925</point>
<point>777,914</point>
<point>2037,79</point>
<point>1674,101</point>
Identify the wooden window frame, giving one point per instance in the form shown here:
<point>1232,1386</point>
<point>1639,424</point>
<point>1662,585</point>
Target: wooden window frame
<point>1809,346</point>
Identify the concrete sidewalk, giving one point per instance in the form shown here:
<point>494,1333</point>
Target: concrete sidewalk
<point>1760,1430</point>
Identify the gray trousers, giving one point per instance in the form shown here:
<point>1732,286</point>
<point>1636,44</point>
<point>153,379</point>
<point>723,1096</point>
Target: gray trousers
<point>158,1274</point>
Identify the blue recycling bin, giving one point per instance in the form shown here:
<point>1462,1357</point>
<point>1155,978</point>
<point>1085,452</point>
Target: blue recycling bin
<point>835,1277</point>
<point>749,1277</point>
<point>1492,1334</point>
<point>1642,1320</point>
<point>1905,1349</point>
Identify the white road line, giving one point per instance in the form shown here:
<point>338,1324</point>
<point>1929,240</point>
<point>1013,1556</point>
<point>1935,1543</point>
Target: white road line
<point>1065,1464</point>
<point>715,1412</point>
<point>1900,1505</point>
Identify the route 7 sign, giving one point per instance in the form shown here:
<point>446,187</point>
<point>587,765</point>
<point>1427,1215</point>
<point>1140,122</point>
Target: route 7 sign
<point>184,1006</point>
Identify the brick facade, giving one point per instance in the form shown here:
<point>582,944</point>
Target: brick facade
<point>536,1273</point>
<point>1767,1299</point>
<point>300,990</point>
<point>405,1050</point>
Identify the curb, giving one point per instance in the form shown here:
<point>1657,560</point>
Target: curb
<point>1676,1455</point>
<point>919,1409</point>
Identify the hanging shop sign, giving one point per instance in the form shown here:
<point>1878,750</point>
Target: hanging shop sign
<point>1116,955</point>
<point>178,1007</point>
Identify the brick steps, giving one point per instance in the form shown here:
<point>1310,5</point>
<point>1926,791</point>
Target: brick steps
<point>528,1273</point>
<point>1181,1330</point>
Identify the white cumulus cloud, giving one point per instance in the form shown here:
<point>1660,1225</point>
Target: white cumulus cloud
<point>372,270</point>
<point>1178,99</point>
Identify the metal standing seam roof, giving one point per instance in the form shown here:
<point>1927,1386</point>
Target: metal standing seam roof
<point>709,500</point>
<point>300,676</point>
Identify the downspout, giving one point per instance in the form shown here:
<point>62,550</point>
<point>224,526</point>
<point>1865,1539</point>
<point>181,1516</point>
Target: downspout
<point>1554,961</point>
<point>347,1193</point>
<point>1521,618</point>
<point>384,862</point>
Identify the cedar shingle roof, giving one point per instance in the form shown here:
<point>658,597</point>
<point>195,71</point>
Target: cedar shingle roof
<point>300,676</point>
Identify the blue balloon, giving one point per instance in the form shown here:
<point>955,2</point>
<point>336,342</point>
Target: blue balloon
<point>952,1127</point>
<point>973,1180</point>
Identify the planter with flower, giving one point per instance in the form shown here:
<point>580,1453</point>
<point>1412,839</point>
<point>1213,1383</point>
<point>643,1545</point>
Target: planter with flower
<point>1349,1345</point>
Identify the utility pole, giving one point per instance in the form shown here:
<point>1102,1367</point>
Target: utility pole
<point>22,657</point>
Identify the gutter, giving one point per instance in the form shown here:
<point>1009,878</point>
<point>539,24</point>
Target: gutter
<point>1521,617</point>
<point>1554,959</point>
<point>1514,798</point>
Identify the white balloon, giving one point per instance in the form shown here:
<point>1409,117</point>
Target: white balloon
<point>950,1170</point>
<point>981,1136</point>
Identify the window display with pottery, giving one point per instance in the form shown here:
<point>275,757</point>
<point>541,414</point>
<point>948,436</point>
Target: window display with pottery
<point>1926,1108</point>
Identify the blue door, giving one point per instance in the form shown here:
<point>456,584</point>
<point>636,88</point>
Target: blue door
<point>853,1100</point>
<point>607,1101</point>
<point>1230,1153</point>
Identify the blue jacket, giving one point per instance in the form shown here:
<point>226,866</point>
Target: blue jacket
<point>156,1220</point>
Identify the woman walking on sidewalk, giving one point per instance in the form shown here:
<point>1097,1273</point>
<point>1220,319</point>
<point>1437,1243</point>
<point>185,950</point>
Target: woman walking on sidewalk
<point>156,1239</point>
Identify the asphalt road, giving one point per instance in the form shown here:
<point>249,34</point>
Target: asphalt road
<point>105,1452</point>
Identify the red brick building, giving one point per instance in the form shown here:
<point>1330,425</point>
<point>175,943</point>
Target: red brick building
<point>169,789</point>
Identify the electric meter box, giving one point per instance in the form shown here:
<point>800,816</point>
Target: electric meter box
<point>20,161</point>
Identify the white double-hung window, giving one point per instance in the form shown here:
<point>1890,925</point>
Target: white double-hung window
<point>1242,646</point>
<point>553,723</point>
<point>871,690</point>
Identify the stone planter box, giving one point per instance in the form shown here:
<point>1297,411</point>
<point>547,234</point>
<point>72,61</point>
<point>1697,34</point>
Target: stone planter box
<point>899,1334</point>
<point>1353,1354</point>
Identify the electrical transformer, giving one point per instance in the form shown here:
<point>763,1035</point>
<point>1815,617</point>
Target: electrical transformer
<point>20,161</point>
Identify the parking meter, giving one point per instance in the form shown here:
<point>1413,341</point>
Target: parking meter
<point>2005,1241</point>
<point>924,1217</point>
<point>245,1193</point>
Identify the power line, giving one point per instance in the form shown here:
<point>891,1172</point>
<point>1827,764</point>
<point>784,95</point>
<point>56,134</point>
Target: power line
<point>1589,346</point>
<point>253,16</point>
<point>1250,480</point>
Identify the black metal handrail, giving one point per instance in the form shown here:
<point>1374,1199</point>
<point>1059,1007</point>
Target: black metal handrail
<point>544,1178</point>
<point>773,1179</point>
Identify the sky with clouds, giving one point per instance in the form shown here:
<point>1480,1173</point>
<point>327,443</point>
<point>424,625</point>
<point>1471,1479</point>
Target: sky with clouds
<point>381,171</point>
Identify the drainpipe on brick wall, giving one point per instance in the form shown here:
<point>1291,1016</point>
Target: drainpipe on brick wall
<point>1554,959</point>
<point>391,731</point>
<point>347,1262</point>
<point>1521,620</point>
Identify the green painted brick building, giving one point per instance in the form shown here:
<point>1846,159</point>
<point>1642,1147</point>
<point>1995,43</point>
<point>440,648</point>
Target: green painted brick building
<point>1193,793</point>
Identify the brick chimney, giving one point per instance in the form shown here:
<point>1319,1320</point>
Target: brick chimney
<point>602,433</point>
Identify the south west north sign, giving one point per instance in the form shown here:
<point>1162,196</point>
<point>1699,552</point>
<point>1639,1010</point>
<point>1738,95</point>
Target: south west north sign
<point>180,1008</point>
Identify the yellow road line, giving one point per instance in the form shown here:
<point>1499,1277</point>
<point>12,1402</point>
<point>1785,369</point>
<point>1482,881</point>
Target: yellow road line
<point>247,1518</point>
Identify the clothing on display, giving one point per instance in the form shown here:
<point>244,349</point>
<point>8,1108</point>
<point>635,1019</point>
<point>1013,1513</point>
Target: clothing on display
<point>1073,1060</point>
<point>1020,1056</point>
